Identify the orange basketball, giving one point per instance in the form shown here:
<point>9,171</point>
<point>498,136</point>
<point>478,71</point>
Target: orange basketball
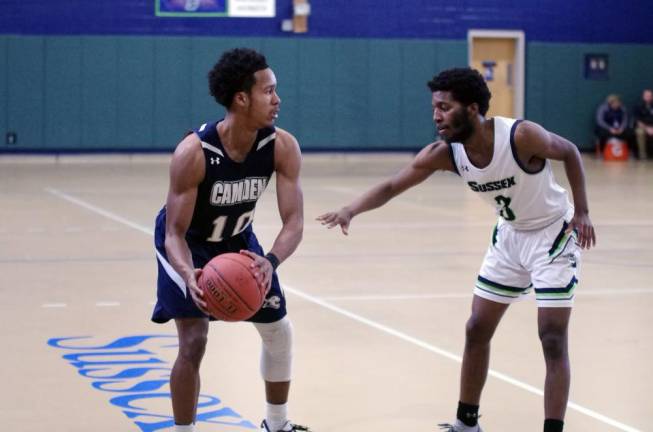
<point>230,291</point>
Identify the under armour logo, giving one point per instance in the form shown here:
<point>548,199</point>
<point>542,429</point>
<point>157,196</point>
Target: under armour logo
<point>465,168</point>
<point>273,302</point>
<point>215,161</point>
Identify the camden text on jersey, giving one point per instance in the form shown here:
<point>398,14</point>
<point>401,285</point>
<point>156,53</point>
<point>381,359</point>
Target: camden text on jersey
<point>224,193</point>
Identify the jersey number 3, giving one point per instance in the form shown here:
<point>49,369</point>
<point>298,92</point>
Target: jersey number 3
<point>503,205</point>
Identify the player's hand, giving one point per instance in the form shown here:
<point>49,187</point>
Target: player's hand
<point>261,269</point>
<point>342,217</point>
<point>583,226</point>
<point>195,292</point>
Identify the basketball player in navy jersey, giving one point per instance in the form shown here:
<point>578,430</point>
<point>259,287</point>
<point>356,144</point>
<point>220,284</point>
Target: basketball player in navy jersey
<point>217,174</point>
<point>535,244</point>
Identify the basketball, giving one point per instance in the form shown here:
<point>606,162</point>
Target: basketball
<point>230,290</point>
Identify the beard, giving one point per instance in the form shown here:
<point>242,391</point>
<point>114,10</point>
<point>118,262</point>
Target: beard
<point>461,128</point>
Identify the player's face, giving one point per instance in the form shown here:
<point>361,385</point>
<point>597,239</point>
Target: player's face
<point>264,102</point>
<point>451,118</point>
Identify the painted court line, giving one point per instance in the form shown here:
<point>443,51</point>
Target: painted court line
<point>467,295</point>
<point>107,304</point>
<point>383,328</point>
<point>451,356</point>
<point>54,305</point>
<point>107,214</point>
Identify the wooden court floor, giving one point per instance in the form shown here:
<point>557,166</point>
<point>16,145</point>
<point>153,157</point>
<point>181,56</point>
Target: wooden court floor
<point>378,315</point>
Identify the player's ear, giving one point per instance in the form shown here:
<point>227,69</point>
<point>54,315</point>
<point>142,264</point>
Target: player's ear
<point>472,109</point>
<point>241,99</point>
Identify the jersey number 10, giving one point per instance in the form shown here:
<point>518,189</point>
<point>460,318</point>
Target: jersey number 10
<point>221,221</point>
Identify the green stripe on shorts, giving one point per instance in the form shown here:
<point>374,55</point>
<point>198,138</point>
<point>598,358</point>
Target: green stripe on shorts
<point>499,289</point>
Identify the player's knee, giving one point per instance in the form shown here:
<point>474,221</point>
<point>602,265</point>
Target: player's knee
<point>477,332</point>
<point>192,347</point>
<point>277,337</point>
<point>276,357</point>
<point>554,343</point>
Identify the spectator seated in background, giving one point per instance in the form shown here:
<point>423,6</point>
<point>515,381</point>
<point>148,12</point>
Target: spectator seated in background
<point>643,114</point>
<point>612,121</point>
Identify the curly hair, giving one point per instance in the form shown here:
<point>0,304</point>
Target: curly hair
<point>234,72</point>
<point>466,85</point>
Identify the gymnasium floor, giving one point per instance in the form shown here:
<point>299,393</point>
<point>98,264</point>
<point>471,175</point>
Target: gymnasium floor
<point>378,315</point>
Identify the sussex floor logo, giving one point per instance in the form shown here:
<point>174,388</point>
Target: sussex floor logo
<point>131,371</point>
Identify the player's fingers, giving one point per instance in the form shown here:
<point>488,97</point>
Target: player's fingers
<point>249,253</point>
<point>325,218</point>
<point>267,282</point>
<point>257,260</point>
<point>194,289</point>
<point>589,236</point>
<point>201,304</point>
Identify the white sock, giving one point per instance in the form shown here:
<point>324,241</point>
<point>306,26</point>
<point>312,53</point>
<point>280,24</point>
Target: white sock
<point>184,428</point>
<point>276,416</point>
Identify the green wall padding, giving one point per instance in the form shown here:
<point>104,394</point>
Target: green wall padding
<point>3,89</point>
<point>143,93</point>
<point>560,98</point>
<point>25,91</point>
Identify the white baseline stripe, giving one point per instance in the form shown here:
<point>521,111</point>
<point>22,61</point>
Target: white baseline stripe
<point>54,305</point>
<point>366,321</point>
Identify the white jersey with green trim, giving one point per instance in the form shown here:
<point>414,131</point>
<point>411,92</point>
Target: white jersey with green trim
<point>527,200</point>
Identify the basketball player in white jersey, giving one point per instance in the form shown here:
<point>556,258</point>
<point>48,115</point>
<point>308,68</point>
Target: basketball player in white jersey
<point>537,240</point>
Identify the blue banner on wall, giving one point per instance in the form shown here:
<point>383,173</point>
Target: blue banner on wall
<point>183,8</point>
<point>215,8</point>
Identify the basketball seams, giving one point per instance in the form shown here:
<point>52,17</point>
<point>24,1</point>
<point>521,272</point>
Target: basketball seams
<point>228,258</point>
<point>210,299</point>
<point>232,292</point>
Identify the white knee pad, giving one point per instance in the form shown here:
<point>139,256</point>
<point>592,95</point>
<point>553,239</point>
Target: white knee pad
<point>276,355</point>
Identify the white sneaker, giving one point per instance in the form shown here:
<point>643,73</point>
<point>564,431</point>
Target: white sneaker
<point>459,426</point>
<point>288,427</point>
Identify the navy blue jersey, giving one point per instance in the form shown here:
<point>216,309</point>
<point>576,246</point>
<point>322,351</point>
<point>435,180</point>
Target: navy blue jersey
<point>227,196</point>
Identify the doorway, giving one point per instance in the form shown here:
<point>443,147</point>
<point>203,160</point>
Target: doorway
<point>499,56</point>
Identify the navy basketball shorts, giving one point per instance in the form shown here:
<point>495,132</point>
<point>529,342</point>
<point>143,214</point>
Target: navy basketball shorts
<point>173,298</point>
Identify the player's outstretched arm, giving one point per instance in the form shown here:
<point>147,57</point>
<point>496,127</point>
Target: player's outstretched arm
<point>290,201</point>
<point>535,141</point>
<point>186,173</point>
<point>431,158</point>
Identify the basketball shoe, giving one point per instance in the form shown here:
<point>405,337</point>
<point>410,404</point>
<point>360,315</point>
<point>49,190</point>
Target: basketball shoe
<point>288,427</point>
<point>459,426</point>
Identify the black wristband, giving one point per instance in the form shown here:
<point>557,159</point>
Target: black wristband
<point>273,260</point>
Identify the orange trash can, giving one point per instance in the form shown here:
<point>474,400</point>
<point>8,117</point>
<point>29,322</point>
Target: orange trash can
<point>615,150</point>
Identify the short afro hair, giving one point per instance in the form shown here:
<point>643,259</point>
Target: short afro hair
<point>466,85</point>
<point>234,72</point>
